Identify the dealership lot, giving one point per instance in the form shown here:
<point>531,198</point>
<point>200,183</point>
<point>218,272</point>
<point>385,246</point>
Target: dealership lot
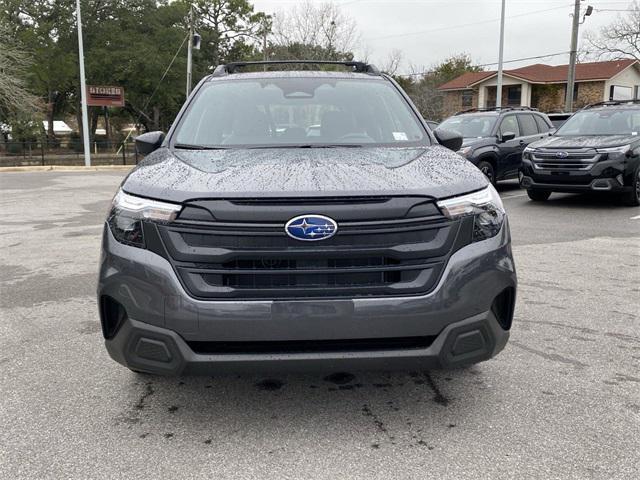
<point>561,401</point>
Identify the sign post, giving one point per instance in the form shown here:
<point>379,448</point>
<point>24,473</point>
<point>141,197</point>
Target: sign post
<point>83,92</point>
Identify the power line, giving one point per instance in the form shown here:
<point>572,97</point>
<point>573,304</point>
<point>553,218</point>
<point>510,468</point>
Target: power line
<point>425,72</point>
<point>449,27</point>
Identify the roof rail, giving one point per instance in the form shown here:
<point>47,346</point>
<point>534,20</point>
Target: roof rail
<point>359,67</point>
<point>610,103</point>
<point>496,109</point>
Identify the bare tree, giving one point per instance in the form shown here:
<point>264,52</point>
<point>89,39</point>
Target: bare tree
<point>394,59</point>
<point>619,39</point>
<point>315,30</point>
<point>15,99</point>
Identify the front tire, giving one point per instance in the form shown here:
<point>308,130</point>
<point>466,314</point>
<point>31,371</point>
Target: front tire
<point>539,195</point>
<point>632,198</point>
<point>488,170</point>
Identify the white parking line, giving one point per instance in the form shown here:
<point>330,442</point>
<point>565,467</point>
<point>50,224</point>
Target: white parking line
<point>514,196</point>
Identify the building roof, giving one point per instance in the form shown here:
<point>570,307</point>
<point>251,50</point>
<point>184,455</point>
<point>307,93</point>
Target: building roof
<point>541,73</point>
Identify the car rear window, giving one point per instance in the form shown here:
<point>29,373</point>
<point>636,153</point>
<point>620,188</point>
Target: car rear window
<point>298,111</point>
<point>542,125</point>
<point>527,124</point>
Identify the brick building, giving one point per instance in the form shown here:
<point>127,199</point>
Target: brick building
<point>543,86</point>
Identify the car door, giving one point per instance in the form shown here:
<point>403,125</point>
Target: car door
<point>509,150</point>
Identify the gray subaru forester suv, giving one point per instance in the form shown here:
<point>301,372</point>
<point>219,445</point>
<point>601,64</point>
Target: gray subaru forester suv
<point>301,219</point>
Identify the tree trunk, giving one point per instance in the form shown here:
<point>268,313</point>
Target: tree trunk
<point>156,118</point>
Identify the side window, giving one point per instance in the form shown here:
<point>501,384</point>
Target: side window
<point>527,124</point>
<point>542,125</point>
<point>510,124</point>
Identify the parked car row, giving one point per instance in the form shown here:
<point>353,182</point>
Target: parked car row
<point>594,150</point>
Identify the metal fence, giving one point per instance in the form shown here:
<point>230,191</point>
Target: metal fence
<point>14,154</point>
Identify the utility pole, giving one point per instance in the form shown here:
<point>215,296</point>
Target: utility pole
<point>190,51</point>
<point>83,90</point>
<point>266,29</point>
<point>571,77</point>
<point>500,57</point>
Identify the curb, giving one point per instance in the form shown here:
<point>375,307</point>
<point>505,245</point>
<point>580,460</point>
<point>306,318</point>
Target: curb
<point>67,168</point>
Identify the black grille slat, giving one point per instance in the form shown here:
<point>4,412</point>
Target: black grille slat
<point>311,346</point>
<point>402,255</point>
<point>577,159</point>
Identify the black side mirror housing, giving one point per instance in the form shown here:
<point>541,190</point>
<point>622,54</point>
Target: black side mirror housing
<point>553,131</point>
<point>149,142</point>
<point>506,136</point>
<point>448,138</point>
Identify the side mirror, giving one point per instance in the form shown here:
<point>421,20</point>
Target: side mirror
<point>448,138</point>
<point>149,142</point>
<point>506,136</point>
<point>553,131</point>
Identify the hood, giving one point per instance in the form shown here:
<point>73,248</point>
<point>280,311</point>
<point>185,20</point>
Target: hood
<point>586,141</point>
<point>182,175</point>
<point>469,141</point>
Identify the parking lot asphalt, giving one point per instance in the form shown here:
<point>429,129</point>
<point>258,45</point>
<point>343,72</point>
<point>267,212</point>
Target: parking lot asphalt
<point>561,401</point>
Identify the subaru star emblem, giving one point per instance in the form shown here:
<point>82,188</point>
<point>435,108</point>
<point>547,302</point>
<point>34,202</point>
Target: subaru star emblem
<point>562,154</point>
<point>311,228</point>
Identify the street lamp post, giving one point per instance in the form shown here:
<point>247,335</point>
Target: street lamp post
<point>500,57</point>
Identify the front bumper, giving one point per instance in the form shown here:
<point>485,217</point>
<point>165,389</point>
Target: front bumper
<point>613,175</point>
<point>147,348</point>
<point>163,322</point>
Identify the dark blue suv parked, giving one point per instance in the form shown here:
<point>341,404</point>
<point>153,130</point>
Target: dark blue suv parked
<point>495,138</point>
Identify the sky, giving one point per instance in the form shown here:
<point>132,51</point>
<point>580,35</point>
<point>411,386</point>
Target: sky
<point>428,31</point>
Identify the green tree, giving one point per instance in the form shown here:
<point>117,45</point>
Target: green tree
<point>422,85</point>
<point>129,43</point>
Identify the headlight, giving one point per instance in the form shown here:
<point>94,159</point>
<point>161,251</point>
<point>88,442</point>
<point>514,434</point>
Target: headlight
<point>486,208</point>
<point>527,152</point>
<point>622,149</point>
<point>464,151</point>
<point>128,212</point>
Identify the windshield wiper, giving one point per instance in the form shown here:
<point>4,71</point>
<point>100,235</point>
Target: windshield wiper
<point>310,145</point>
<point>186,146</point>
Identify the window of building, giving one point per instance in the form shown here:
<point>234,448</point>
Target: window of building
<point>514,94</point>
<point>467,98</point>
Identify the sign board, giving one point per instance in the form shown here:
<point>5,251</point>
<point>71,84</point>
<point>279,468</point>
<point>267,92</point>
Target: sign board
<point>105,96</point>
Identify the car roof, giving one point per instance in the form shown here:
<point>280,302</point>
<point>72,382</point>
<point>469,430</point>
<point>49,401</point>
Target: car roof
<point>295,74</point>
<point>619,104</point>
<point>358,70</point>
<point>496,111</point>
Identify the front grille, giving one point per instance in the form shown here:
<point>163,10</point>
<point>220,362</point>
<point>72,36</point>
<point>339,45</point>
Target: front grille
<point>560,160</point>
<point>311,346</point>
<point>367,257</point>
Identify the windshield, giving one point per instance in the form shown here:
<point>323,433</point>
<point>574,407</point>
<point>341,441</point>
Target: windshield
<point>603,122</point>
<point>470,126</point>
<point>299,112</point>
